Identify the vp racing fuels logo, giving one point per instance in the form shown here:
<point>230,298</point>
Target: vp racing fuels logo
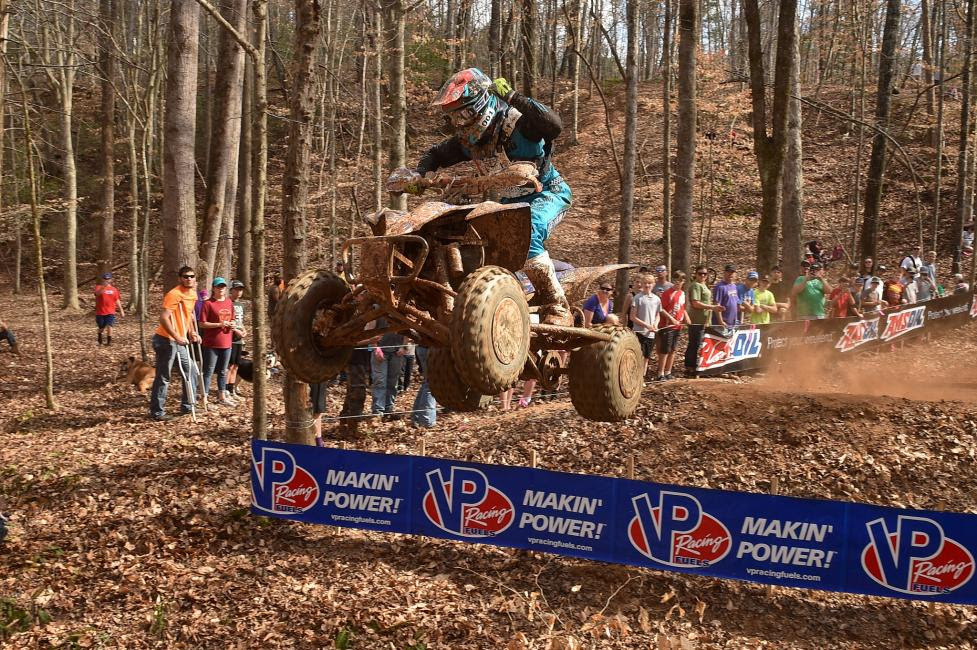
<point>717,351</point>
<point>282,486</point>
<point>915,558</point>
<point>677,532</point>
<point>466,504</point>
<point>857,333</point>
<point>904,321</point>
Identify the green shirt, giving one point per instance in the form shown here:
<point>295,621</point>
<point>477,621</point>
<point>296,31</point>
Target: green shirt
<point>762,299</point>
<point>810,301</point>
<point>701,293</point>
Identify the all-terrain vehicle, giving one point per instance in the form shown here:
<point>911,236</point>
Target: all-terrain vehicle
<point>444,274</point>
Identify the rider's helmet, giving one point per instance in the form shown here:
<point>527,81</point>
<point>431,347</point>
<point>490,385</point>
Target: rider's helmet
<point>468,102</point>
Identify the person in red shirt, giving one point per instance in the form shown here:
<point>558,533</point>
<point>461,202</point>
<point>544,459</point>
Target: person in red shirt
<point>107,300</point>
<point>217,330</point>
<point>841,302</point>
<point>673,314</point>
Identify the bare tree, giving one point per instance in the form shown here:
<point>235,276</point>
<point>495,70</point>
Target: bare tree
<point>179,222</point>
<point>964,198</point>
<point>630,147</point>
<point>393,19</point>
<point>528,47</point>
<point>681,231</point>
<point>792,213</point>
<point>107,13</point>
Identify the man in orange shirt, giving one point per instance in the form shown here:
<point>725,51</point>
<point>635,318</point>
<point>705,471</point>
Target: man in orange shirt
<point>107,299</point>
<point>177,329</point>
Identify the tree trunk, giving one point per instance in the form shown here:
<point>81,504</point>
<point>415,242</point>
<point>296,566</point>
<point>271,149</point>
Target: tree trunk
<point>378,185</point>
<point>495,37</point>
<point>295,192</point>
<point>792,215</point>
<point>630,147</point>
<point>876,163</point>
<point>393,12</point>
<point>244,199</point>
<point>259,411</point>
<point>667,137</point>
<point>4,28</point>
<point>107,14</point>
<point>179,223</point>
<point>770,149</point>
<point>963,196</point>
<point>528,47</point>
<point>688,29</point>
<point>224,132</point>
<point>928,68</point>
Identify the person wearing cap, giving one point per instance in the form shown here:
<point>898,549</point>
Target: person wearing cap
<point>107,300</point>
<point>701,314</point>
<point>746,292</point>
<point>237,336</point>
<point>661,280</point>
<point>871,301</point>
<point>725,295</point>
<point>911,262</point>
<point>764,302</point>
<point>810,291</point>
<point>910,289</point>
<point>216,328</point>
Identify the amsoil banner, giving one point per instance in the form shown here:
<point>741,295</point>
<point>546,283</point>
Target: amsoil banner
<point>776,540</point>
<point>751,347</point>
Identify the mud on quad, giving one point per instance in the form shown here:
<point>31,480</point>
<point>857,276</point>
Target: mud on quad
<point>444,275</point>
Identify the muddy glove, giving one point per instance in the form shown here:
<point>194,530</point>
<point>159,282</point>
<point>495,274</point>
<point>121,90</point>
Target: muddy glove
<point>502,88</point>
<point>405,180</point>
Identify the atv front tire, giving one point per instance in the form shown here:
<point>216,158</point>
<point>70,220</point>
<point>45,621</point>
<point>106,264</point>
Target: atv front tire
<point>447,387</point>
<point>490,330</point>
<point>606,377</point>
<point>302,352</point>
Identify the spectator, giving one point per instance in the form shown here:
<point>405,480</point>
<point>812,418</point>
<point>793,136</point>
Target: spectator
<point>171,339</point>
<point>892,289</point>
<point>959,285</point>
<point>237,337</point>
<point>725,295</point>
<point>275,291</point>
<point>6,334</point>
<point>217,327</point>
<point>357,370</point>
<point>340,269</point>
<point>598,306</point>
<point>528,387</point>
<point>202,296</point>
<point>405,376</point>
<point>810,292</point>
<point>506,398</point>
<point>913,262</point>
<point>842,302</point>
<point>871,301</point>
<point>645,310</point>
<point>866,272</point>
<point>107,299</point>
<point>317,400</point>
<point>387,366</point>
<point>929,267</point>
<point>673,315</point>
<point>967,239</point>
<point>781,291</point>
<point>746,294</point>
<point>764,302</point>
<point>661,280</point>
<point>910,291</point>
<point>701,311</point>
<point>425,410</point>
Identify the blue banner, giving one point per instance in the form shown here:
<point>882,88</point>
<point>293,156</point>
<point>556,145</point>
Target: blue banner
<point>828,545</point>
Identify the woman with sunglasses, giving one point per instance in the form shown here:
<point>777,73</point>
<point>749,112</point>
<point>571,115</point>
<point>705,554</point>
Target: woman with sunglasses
<point>598,306</point>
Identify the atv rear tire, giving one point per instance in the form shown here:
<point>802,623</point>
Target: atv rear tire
<point>447,387</point>
<point>490,330</point>
<point>606,377</point>
<point>301,351</point>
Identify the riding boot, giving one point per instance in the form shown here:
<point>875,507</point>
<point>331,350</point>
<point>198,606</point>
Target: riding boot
<point>554,308</point>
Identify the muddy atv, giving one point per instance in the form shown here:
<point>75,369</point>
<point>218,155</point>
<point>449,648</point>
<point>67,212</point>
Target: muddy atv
<point>444,274</point>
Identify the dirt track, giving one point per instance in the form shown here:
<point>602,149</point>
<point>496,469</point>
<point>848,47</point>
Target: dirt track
<point>135,534</point>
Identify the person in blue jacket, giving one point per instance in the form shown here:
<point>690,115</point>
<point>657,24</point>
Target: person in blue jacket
<point>493,126</point>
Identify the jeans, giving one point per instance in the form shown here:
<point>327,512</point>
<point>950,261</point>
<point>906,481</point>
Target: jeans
<point>8,336</point>
<point>385,373</point>
<point>425,409</point>
<point>692,351</point>
<point>408,371</point>
<point>355,391</point>
<point>167,351</point>
<point>215,358</point>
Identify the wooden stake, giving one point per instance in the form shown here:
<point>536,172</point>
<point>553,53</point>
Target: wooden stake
<point>423,447</point>
<point>630,467</point>
<point>532,458</point>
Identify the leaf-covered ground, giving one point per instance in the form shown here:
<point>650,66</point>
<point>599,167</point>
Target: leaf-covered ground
<point>127,533</point>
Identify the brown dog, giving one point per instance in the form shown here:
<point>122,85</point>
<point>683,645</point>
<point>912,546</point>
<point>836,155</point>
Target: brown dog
<point>137,372</point>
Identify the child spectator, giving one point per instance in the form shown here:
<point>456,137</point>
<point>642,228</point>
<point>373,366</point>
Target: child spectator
<point>810,291</point>
<point>238,334</point>
<point>107,299</point>
<point>746,294</point>
<point>892,289</point>
<point>841,301</point>
<point>673,315</point>
<point>202,296</point>
<point>6,334</point>
<point>171,339</point>
<point>726,296</point>
<point>645,310</point>
<point>967,239</point>
<point>871,301</point>
<point>275,291</point>
<point>217,326</point>
<point>909,286</point>
<point>959,285</point>
<point>661,280</point>
<point>598,306</point>
<point>764,302</point>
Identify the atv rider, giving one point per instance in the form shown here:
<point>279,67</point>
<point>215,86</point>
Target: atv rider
<point>494,125</point>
